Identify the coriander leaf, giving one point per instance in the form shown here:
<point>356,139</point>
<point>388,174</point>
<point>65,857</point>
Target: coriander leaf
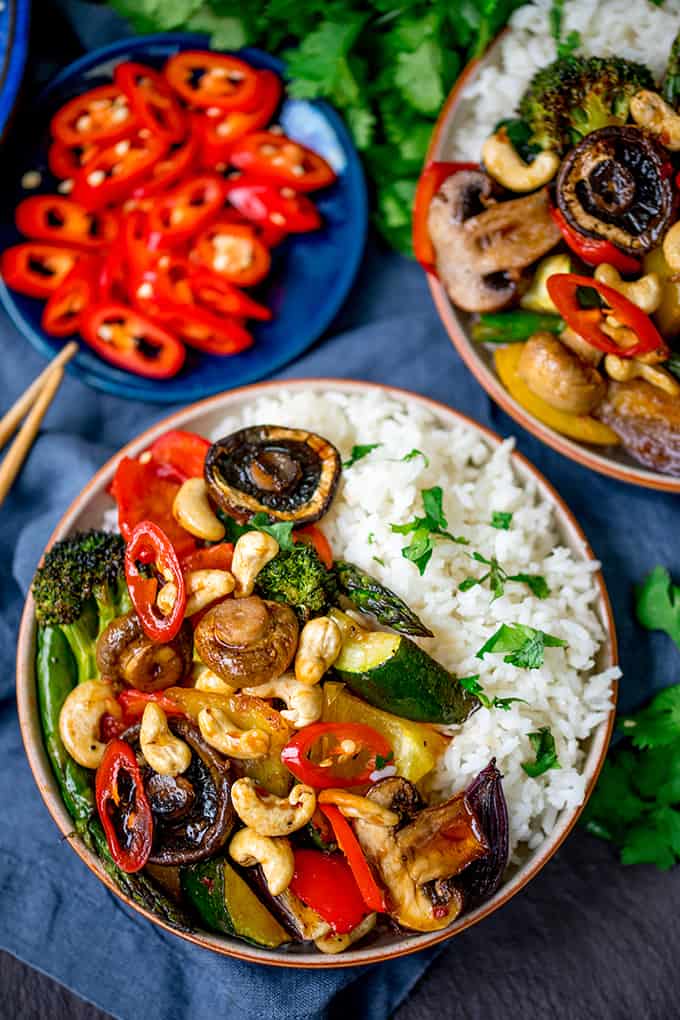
<point>371,538</point>
<point>379,560</point>
<point>470,582</point>
<point>501,520</point>
<point>570,44</point>
<point>657,603</point>
<point>524,645</point>
<point>505,703</point>
<point>381,761</point>
<point>614,803</point>
<point>359,452</point>
<point>319,67</point>
<point>472,684</point>
<point>658,724</point>
<point>543,744</point>
<point>418,77</point>
<point>416,453</point>
<point>653,841</point>
<point>362,122</point>
<point>420,549</point>
<point>432,505</point>
<point>226,33</point>
<point>233,530</point>
<point>536,583</point>
<point>281,531</point>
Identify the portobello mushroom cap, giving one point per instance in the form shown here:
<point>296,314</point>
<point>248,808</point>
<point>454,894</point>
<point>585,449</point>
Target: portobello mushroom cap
<point>418,861</point>
<point>192,813</point>
<point>247,641</point>
<point>616,186</point>
<point>647,421</point>
<point>288,474</point>
<point>483,246</point>
<point>126,655</point>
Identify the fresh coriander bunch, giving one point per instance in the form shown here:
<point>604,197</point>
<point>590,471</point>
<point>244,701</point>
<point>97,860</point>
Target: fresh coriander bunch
<point>386,65</point>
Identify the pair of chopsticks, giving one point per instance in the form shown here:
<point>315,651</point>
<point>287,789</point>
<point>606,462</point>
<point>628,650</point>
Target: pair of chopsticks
<point>31,405</point>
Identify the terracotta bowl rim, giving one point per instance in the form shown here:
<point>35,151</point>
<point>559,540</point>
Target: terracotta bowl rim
<point>39,764</point>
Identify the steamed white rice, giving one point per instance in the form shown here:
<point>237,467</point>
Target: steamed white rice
<point>633,29</point>
<point>566,694</point>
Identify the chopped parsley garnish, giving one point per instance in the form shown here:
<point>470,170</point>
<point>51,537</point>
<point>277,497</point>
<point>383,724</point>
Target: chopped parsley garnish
<point>497,577</point>
<point>472,684</point>
<point>424,530</point>
<point>358,453</point>
<point>416,453</point>
<point>657,603</point>
<point>543,744</point>
<point>635,804</point>
<point>501,520</point>
<point>282,531</point>
<point>381,762</point>
<point>371,538</point>
<point>379,560</point>
<point>524,645</point>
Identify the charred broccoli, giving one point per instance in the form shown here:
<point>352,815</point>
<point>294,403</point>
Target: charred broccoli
<point>298,577</point>
<point>576,95</point>
<point>80,588</point>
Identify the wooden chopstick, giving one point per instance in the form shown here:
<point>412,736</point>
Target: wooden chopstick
<point>16,454</point>
<point>10,421</point>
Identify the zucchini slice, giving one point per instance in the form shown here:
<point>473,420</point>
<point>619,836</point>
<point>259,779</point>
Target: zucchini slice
<point>393,673</point>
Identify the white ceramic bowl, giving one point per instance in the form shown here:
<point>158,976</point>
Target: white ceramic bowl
<point>86,511</point>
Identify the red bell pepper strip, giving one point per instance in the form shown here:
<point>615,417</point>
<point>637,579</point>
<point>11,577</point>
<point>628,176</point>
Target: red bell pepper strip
<point>130,341</point>
<point>273,205</point>
<point>37,269</point>
<point>133,703</point>
<point>148,538</point>
<point>113,174</point>
<point>101,115</point>
<point>314,536</point>
<point>278,158</point>
<point>371,892</point>
<point>592,251</point>
<point>152,100</point>
<point>213,557</point>
<point>233,252</point>
<point>207,80</point>
<point>225,298</point>
<point>344,743</point>
<point>563,290</point>
<point>63,221</point>
<point>179,214</point>
<point>429,183</point>
<point>170,169</point>
<point>180,454</point>
<point>326,884</point>
<point>217,134</point>
<point>143,491</point>
<point>123,807</point>
<point>62,313</point>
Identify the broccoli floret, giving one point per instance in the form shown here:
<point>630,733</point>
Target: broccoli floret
<point>80,588</point>
<point>576,95</point>
<point>298,577</point>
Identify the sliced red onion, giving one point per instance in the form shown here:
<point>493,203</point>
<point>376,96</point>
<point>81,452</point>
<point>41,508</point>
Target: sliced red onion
<point>485,796</point>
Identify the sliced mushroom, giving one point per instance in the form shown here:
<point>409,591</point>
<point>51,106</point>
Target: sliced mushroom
<point>615,186</point>
<point>418,862</point>
<point>193,813</point>
<point>289,474</point>
<point>560,377</point>
<point>647,420</point>
<point>126,655</point>
<point>483,246</point>
<point>247,641</point>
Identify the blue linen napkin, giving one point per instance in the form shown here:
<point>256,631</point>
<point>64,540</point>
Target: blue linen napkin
<point>54,914</point>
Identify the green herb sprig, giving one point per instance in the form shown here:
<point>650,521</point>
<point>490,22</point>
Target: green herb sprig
<point>424,530</point>
<point>358,453</point>
<point>472,684</point>
<point>497,578</point>
<point>524,645</point>
<point>543,744</point>
<point>657,603</point>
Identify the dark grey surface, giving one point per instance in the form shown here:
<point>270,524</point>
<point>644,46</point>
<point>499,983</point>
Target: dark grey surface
<point>587,940</point>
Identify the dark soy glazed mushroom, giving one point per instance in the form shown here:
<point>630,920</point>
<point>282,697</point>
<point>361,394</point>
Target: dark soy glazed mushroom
<point>248,641</point>
<point>616,185</point>
<point>193,815</point>
<point>289,474</point>
<point>126,655</point>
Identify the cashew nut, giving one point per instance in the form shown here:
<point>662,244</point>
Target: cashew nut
<point>626,338</point>
<point>319,646</point>
<point>205,680</point>
<point>80,719</point>
<point>645,292</point>
<point>193,511</point>
<point>251,553</point>
<point>164,752</point>
<point>202,588</point>
<point>275,856</point>
<point>502,161</point>
<point>269,815</point>
<point>334,943</point>
<point>671,247</point>
<point>222,734</point>
<point>304,704</point>
<point>625,369</point>
<point>352,805</point>
<point>651,112</point>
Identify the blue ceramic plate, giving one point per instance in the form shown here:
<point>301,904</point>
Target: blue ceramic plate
<point>312,273</point>
<point>14,18</point>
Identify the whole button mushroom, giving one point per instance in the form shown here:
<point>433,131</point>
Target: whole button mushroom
<point>126,655</point>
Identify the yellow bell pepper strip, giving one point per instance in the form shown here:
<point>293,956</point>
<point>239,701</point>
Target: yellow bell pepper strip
<point>416,747</point>
<point>576,426</point>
